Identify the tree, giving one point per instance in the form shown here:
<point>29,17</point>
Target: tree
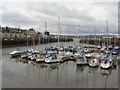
<point>7,29</point>
<point>31,29</point>
<point>46,33</point>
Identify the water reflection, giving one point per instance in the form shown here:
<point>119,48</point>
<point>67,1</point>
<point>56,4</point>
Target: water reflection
<point>80,68</point>
<point>105,74</point>
<point>58,74</point>
<point>18,59</point>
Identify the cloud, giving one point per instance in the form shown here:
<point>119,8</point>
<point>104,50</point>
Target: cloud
<point>14,17</point>
<point>34,14</point>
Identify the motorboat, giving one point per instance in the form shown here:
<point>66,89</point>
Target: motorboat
<point>16,53</point>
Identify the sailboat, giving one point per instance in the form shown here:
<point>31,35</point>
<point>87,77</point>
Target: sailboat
<point>78,48</point>
<point>34,55</point>
<point>26,53</point>
<point>87,51</point>
<point>51,50</point>
<point>94,62</point>
<point>99,42</point>
<point>107,62</point>
<point>115,48</point>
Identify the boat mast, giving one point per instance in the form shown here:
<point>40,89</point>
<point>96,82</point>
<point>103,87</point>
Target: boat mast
<point>107,33</point>
<point>46,29</point>
<point>27,39</point>
<point>39,37</point>
<point>95,37</point>
<point>66,33</point>
<point>59,32</point>
<point>78,34</point>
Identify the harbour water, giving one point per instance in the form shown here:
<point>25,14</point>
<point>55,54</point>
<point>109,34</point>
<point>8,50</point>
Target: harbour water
<point>18,73</point>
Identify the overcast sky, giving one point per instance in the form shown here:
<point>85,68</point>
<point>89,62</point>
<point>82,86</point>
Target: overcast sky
<point>87,15</point>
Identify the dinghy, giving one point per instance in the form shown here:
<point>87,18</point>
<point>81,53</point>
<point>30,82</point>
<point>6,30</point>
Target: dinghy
<point>94,62</point>
<point>40,58</point>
